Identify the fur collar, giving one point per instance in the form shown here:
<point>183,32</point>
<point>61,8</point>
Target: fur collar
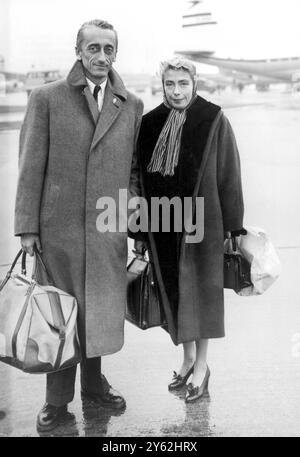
<point>200,111</point>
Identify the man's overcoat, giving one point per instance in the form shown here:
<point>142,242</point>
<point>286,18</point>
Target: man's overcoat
<point>70,156</point>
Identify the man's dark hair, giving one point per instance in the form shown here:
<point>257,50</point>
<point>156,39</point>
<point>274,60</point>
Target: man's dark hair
<point>97,23</point>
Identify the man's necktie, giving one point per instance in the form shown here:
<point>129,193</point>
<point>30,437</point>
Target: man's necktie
<point>96,91</point>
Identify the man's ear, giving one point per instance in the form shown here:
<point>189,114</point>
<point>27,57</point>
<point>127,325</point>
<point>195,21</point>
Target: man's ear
<point>78,56</point>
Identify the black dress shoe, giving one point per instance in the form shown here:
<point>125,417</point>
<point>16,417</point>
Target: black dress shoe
<point>49,416</point>
<point>108,398</point>
<point>196,392</point>
<point>179,381</point>
<point>112,399</point>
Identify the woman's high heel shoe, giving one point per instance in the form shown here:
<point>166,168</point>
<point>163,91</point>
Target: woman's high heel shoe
<point>179,381</point>
<point>196,392</point>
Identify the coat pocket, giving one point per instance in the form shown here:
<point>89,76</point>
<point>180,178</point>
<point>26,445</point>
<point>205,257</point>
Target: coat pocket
<point>49,203</point>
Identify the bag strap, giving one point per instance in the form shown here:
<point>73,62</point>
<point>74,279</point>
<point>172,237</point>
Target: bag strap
<point>23,263</point>
<point>231,246</point>
<point>38,260</point>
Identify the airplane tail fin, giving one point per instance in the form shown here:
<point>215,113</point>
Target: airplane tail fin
<point>196,15</point>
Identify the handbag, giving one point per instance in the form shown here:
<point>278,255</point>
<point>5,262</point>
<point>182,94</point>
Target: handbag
<point>38,323</point>
<point>144,308</point>
<point>236,268</point>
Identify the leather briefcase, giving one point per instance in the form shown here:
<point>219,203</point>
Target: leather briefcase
<point>38,324</point>
<point>144,307</point>
<point>236,269</point>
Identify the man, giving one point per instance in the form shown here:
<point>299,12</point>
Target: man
<point>76,146</point>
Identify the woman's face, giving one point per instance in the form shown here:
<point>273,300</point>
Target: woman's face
<point>178,85</point>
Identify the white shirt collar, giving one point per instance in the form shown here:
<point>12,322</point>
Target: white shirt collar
<point>101,92</point>
<point>93,85</point>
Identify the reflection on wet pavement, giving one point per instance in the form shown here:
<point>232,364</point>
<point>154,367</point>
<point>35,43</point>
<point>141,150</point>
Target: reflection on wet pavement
<point>96,419</point>
<point>67,427</point>
<point>196,421</point>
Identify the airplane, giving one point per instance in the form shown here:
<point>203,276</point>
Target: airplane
<point>276,70</point>
<point>261,72</point>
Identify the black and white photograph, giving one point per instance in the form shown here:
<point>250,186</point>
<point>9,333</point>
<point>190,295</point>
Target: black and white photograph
<point>149,221</point>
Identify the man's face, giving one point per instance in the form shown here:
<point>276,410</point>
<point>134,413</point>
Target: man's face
<point>97,52</point>
<point>178,86</point>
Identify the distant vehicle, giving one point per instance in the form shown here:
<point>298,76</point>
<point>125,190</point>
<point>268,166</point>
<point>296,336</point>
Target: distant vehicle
<point>38,78</point>
<point>10,85</point>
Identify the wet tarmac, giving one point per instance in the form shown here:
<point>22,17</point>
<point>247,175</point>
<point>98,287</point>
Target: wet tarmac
<point>255,370</point>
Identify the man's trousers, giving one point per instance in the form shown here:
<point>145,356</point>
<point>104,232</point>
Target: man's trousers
<point>61,384</point>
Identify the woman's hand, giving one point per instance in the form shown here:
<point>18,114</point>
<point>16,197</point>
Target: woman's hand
<point>239,232</point>
<point>140,247</point>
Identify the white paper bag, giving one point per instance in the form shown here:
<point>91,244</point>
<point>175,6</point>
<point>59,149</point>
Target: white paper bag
<point>257,248</point>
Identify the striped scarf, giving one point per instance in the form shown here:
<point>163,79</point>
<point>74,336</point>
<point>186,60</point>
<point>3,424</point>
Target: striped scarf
<point>166,152</point>
<point>165,156</point>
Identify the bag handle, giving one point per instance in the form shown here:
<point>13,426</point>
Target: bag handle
<point>8,274</point>
<point>233,243</point>
<point>37,260</point>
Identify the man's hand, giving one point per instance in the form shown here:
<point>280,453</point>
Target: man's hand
<point>28,240</point>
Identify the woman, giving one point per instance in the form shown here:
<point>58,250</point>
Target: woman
<point>187,149</point>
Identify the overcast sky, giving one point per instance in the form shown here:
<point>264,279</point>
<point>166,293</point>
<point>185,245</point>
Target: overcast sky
<point>42,32</point>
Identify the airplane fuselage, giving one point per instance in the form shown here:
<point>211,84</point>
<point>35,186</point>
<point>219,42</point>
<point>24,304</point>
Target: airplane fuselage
<point>280,69</point>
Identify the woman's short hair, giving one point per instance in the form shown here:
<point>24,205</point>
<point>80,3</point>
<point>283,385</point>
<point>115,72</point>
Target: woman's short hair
<point>177,63</point>
<point>97,23</point>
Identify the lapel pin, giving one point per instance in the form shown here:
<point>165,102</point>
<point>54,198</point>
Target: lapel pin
<point>114,101</point>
